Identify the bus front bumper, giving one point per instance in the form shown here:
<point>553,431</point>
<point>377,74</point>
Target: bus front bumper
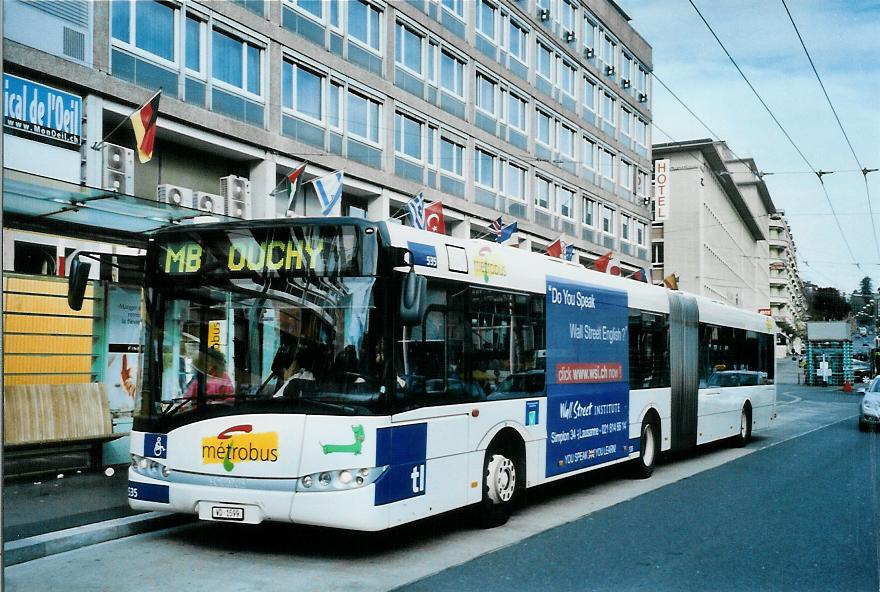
<point>223,501</point>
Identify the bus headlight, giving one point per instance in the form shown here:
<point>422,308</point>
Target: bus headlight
<point>149,467</point>
<point>339,480</point>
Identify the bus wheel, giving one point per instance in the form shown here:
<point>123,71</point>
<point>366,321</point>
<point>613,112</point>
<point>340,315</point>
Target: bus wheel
<point>500,487</point>
<point>745,427</point>
<point>648,450</point>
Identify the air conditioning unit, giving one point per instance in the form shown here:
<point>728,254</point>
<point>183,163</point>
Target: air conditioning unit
<point>544,14</point>
<point>174,195</point>
<point>209,202</point>
<point>237,192</point>
<point>643,98</point>
<point>609,70</point>
<point>625,83</point>
<point>569,36</point>
<point>589,53</point>
<point>118,168</point>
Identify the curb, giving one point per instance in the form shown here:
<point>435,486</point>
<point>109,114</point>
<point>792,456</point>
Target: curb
<point>43,545</point>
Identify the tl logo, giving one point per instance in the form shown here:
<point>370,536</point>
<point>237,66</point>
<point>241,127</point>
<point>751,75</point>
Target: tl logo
<point>239,444</point>
<point>418,478</point>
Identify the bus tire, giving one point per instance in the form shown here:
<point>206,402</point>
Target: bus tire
<point>745,427</point>
<point>649,448</point>
<point>503,479</point>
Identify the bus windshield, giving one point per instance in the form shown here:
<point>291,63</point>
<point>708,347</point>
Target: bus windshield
<point>290,334</point>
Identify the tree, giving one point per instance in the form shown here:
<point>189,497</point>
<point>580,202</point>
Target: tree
<point>866,286</point>
<point>828,305</point>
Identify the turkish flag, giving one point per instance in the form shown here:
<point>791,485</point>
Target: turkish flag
<point>554,249</point>
<point>434,218</point>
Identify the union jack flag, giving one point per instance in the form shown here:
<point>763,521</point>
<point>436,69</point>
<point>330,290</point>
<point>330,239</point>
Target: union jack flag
<point>496,226</point>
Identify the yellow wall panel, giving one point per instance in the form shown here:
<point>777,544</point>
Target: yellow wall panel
<point>46,285</point>
<point>23,379</point>
<point>29,364</point>
<point>13,323</point>
<point>43,305</point>
<point>40,344</point>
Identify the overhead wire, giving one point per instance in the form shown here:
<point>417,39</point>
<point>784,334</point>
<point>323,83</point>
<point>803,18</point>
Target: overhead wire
<point>862,169</point>
<point>818,173</point>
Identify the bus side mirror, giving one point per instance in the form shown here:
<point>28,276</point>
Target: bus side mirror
<point>413,298</point>
<point>77,282</point>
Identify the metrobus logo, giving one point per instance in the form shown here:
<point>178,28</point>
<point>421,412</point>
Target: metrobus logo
<point>488,264</point>
<point>239,444</point>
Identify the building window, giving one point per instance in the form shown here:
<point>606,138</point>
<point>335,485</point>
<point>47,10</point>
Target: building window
<point>452,74</point>
<point>588,153</point>
<point>544,62</point>
<point>451,156</point>
<point>518,41</point>
<point>486,12</point>
<point>566,141</point>
<point>236,62</point>
<point>195,45</point>
<point>641,132</point>
<point>363,117</point>
<point>589,34</point>
<point>314,8</point>
<point>543,129</point>
<point>606,164</point>
<point>607,220</point>
<point>303,91</point>
<point>608,106</point>
<point>516,182</point>
<point>409,49</point>
<point>516,112</point>
<point>625,222</point>
<point>641,183</point>
<point>626,175</point>
<point>625,123</point>
<point>657,257</point>
<point>334,105</point>
<point>455,7</point>
<point>566,15</point>
<point>567,74</point>
<point>589,216</point>
<point>486,94</point>
<point>542,193</point>
<point>408,137</point>
<point>608,51</point>
<point>589,95</point>
<point>642,234</point>
<point>149,27</point>
<point>484,171</point>
<point>363,23</point>
<point>626,69</point>
<point>565,199</point>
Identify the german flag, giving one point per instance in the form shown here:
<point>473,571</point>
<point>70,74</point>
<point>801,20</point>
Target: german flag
<point>143,120</point>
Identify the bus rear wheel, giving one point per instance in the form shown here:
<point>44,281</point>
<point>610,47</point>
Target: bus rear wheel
<point>745,427</point>
<point>502,482</point>
<point>643,467</point>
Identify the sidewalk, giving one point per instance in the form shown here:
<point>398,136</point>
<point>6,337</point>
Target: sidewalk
<point>53,514</point>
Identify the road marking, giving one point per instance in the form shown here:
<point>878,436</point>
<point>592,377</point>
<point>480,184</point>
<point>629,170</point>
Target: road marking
<point>796,399</point>
<point>822,427</point>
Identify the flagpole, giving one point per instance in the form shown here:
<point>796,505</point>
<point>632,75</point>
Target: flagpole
<point>406,212</point>
<point>99,145</point>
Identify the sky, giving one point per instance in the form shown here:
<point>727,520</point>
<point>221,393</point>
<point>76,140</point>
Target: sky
<point>843,38</point>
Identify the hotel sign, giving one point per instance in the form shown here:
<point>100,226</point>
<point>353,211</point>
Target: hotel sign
<point>33,109</point>
<point>661,190</point>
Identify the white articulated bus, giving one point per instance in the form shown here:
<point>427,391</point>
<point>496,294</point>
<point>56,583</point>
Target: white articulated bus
<point>362,375</point>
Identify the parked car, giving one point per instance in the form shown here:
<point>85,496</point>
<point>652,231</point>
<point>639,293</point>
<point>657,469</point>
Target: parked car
<point>861,371</point>
<point>869,416</point>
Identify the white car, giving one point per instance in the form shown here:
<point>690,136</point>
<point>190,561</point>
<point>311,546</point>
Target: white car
<point>869,417</point>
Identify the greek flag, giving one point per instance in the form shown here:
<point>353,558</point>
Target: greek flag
<point>329,191</point>
<point>416,208</point>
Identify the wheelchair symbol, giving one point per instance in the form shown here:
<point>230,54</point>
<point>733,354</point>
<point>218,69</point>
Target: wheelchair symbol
<point>158,448</point>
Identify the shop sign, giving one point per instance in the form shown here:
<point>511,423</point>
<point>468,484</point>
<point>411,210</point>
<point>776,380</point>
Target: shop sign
<point>31,109</point>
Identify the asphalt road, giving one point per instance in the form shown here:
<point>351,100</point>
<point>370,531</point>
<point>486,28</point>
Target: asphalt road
<point>795,510</point>
<point>803,515</point>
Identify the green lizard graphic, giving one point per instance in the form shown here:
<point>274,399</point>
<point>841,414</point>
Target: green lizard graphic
<point>355,447</point>
<point>227,464</point>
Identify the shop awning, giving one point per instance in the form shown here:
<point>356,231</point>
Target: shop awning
<point>40,204</point>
